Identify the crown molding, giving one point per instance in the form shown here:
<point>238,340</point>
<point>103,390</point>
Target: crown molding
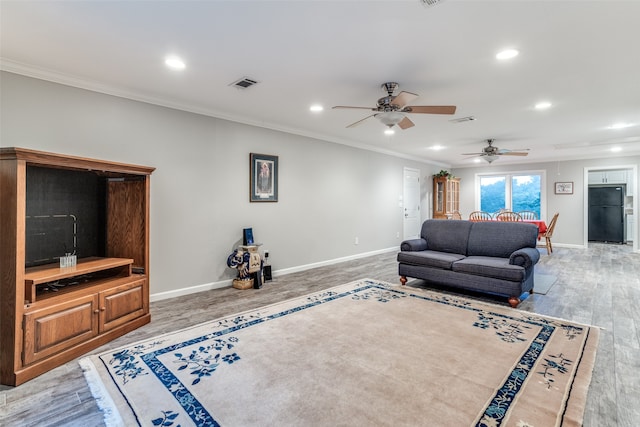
<point>29,70</point>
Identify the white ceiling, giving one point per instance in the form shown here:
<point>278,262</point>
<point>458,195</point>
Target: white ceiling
<point>583,56</point>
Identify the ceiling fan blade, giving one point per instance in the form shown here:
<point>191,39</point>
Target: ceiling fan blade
<point>514,153</point>
<point>358,108</point>
<point>433,109</point>
<point>473,154</point>
<point>506,150</point>
<point>403,98</point>
<point>354,124</point>
<point>405,123</point>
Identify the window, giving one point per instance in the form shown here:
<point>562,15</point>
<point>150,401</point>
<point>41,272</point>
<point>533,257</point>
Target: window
<point>516,192</point>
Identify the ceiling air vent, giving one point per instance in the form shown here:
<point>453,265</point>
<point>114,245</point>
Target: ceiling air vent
<point>463,119</point>
<point>429,3</point>
<point>244,83</point>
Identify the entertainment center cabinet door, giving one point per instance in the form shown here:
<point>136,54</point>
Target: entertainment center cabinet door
<point>122,304</point>
<point>58,327</point>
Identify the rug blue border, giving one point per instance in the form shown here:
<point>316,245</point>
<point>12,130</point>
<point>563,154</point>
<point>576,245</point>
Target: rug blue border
<point>496,409</point>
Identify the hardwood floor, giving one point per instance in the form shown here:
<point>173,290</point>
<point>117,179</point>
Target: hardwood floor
<point>598,286</point>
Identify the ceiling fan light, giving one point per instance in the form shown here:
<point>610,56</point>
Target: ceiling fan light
<point>491,158</point>
<point>389,131</point>
<point>390,118</point>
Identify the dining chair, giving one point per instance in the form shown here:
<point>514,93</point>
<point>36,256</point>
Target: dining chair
<point>508,216</point>
<point>528,215</point>
<point>480,216</point>
<point>456,215</point>
<point>549,233</point>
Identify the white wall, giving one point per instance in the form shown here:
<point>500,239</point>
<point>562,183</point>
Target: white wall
<point>570,229</point>
<point>328,193</point>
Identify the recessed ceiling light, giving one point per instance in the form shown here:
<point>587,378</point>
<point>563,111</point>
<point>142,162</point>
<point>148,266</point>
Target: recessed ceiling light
<point>543,105</point>
<point>621,125</point>
<point>389,131</point>
<point>174,63</point>
<point>477,160</point>
<point>316,108</point>
<point>437,147</point>
<point>616,149</point>
<point>507,54</point>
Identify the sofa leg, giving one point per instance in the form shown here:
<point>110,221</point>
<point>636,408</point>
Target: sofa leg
<point>514,301</point>
<point>403,280</point>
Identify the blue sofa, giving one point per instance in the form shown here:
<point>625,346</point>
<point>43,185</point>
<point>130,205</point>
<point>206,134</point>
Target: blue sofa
<point>492,256</point>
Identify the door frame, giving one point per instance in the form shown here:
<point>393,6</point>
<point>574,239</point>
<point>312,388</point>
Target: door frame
<point>418,172</point>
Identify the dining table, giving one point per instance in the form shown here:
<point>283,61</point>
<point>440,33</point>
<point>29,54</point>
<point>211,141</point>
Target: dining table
<point>541,224</point>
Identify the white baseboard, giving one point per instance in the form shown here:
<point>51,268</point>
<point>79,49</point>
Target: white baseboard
<point>333,261</point>
<point>229,282</point>
<point>561,245</point>
<point>190,290</point>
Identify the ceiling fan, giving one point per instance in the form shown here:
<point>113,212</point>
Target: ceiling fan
<point>391,110</point>
<point>491,153</point>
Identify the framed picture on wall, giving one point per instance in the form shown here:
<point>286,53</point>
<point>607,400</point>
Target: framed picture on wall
<point>564,187</point>
<point>263,178</point>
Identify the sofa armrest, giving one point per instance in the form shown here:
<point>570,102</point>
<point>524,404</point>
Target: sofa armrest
<point>525,257</point>
<point>414,245</point>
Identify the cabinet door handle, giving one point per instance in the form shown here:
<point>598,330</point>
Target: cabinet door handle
<point>103,309</point>
<point>96,311</point>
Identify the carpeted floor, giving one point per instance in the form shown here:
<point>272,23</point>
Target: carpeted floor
<point>364,353</point>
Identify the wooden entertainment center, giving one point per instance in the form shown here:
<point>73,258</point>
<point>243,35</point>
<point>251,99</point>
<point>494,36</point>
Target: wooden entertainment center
<point>51,314</point>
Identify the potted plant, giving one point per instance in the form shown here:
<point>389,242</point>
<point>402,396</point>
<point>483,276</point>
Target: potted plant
<point>443,174</point>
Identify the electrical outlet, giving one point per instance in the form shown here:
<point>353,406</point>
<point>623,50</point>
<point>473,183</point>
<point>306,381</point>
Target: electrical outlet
<point>398,235</point>
<point>356,241</point>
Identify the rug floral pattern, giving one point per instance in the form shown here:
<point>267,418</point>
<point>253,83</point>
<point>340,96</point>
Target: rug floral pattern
<point>180,379</point>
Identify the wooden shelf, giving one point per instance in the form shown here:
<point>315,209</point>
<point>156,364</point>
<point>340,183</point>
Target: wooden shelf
<point>52,272</point>
<point>34,276</point>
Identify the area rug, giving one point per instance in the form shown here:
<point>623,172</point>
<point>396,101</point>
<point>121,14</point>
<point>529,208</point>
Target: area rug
<point>542,283</point>
<point>364,353</point>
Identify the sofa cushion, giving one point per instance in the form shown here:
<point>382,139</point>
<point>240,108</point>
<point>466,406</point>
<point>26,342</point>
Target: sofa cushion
<point>501,238</point>
<point>498,268</point>
<point>429,258</point>
<point>444,235</point>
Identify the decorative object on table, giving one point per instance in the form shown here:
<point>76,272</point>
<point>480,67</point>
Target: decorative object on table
<point>564,188</point>
<point>239,259</point>
<point>245,367</point>
<point>68,260</point>
<point>263,178</point>
<point>247,236</point>
<point>255,265</point>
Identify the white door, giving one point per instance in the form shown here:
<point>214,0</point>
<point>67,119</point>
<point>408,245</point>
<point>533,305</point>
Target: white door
<point>411,205</point>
